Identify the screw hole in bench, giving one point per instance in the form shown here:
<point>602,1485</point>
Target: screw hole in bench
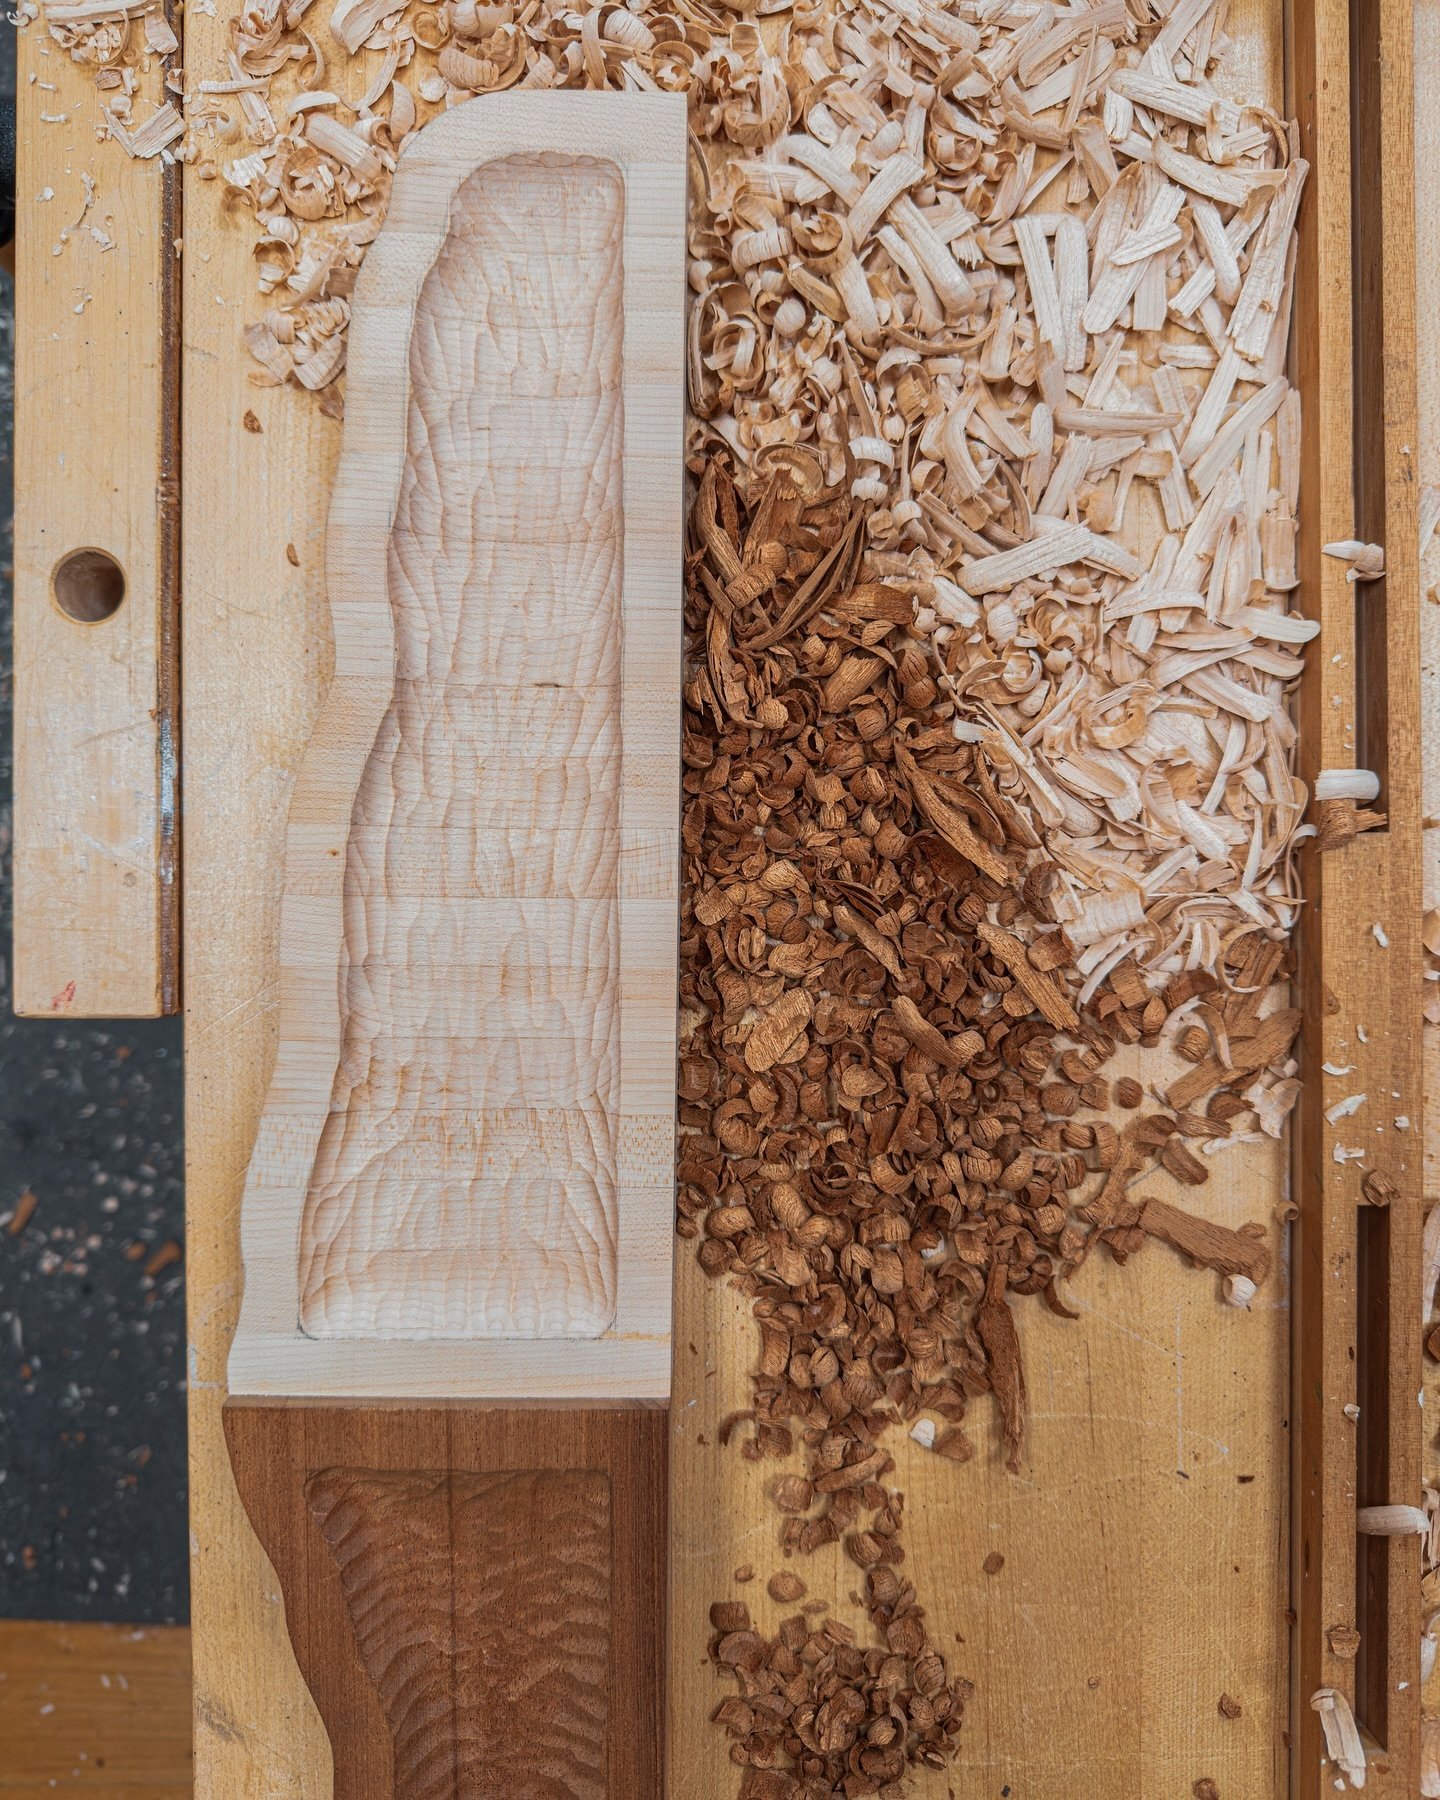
<point>89,586</point>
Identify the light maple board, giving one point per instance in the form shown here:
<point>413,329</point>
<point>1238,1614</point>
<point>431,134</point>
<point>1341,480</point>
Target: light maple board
<point>1145,1547</point>
<point>1356,1265</point>
<point>462,1183</point>
<point>96,554</point>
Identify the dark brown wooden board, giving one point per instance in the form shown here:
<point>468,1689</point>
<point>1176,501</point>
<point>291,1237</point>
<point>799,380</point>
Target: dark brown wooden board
<point>475,1594</point>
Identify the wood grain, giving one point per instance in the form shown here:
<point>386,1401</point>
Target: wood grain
<point>465,1161</point>
<point>97,471</point>
<point>1361,988</point>
<point>474,1599</point>
<point>1427,345</point>
<point>470,1129</point>
<point>103,1709</point>
<point>476,1595</point>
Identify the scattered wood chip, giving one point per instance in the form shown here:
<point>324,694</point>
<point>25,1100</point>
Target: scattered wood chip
<point>1391,1521</point>
<point>166,1256</point>
<point>1364,562</point>
<point>996,1326</point>
<point>1041,990</point>
<point>24,1211</point>
<point>1377,1189</point>
<point>163,127</point>
<point>1342,1736</point>
<point>1344,1641</point>
<point>1203,1241</point>
<point>778,1030</point>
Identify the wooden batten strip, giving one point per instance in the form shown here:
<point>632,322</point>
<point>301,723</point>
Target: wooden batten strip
<point>97,520</point>
<point>1356,1356</point>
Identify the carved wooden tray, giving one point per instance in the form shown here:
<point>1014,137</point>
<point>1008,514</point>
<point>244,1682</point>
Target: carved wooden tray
<point>461,1188</point>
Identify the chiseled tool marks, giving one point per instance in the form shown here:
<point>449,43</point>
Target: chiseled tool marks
<point>481,1607</point>
<point>465,1182</point>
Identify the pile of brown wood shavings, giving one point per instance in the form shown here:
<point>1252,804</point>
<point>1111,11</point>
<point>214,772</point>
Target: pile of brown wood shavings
<point>893,1098</point>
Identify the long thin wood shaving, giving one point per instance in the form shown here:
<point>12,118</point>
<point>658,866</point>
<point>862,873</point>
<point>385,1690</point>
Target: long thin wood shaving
<point>1215,1246</point>
<point>1342,1735</point>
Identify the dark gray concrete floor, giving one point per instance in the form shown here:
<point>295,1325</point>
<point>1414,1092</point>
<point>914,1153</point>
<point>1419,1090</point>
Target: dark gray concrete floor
<point>92,1306</point>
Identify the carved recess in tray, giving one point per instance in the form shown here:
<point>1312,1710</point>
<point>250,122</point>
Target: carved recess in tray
<point>465,1181</point>
<point>464,1164</point>
<point>481,1610</point>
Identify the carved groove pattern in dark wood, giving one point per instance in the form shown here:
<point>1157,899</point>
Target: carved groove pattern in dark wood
<point>476,1594</point>
<point>481,1607</point>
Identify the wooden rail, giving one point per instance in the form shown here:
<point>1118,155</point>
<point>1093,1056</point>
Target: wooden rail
<point>1357,1336</point>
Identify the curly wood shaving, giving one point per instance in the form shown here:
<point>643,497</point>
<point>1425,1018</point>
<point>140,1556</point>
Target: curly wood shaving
<point>160,40</point>
<point>352,21</point>
<point>1342,1735</point>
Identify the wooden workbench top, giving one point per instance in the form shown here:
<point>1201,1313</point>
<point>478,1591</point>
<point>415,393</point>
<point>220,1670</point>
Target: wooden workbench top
<point>1143,1567</point>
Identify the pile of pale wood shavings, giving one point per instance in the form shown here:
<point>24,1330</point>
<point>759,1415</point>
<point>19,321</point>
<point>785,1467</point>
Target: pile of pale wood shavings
<point>1019,276</point>
<point>121,40</point>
